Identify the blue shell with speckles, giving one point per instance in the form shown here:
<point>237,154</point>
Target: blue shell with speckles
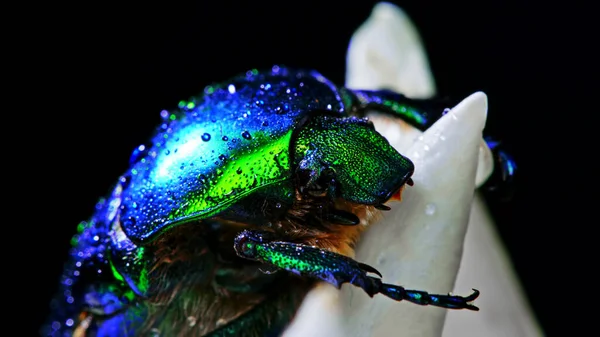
<point>243,113</point>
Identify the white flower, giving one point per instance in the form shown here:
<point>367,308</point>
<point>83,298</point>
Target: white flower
<point>423,242</point>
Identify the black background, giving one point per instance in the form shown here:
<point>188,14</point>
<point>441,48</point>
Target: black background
<point>97,76</point>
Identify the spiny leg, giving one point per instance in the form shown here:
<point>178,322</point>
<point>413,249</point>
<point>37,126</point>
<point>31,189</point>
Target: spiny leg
<point>422,113</point>
<point>335,269</point>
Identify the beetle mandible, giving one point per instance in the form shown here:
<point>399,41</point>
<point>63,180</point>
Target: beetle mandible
<point>245,197</point>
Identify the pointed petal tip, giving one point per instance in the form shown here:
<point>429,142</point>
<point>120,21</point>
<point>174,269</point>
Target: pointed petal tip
<point>474,107</point>
<point>477,99</point>
<point>385,10</point>
<point>386,51</point>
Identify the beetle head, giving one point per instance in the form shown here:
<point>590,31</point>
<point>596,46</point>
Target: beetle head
<point>346,158</point>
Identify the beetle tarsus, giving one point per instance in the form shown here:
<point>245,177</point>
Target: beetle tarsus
<point>372,286</point>
<point>399,293</point>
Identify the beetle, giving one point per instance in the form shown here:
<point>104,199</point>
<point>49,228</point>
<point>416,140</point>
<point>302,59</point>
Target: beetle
<point>245,197</point>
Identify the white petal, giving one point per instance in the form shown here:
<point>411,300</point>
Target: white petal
<point>505,311</point>
<point>319,315</point>
<point>390,43</point>
<point>485,265</point>
<point>386,52</point>
<point>415,245</point>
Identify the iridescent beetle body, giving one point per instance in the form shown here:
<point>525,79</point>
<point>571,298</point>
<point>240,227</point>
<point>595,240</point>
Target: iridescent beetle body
<point>269,171</point>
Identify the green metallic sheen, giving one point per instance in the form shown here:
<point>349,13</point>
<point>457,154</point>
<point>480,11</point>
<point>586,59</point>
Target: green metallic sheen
<point>219,148</point>
<point>365,167</point>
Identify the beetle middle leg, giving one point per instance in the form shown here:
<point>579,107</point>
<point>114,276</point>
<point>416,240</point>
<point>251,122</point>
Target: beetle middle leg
<point>336,269</point>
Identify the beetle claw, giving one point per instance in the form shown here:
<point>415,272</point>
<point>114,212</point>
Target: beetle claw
<point>369,269</point>
<point>382,207</point>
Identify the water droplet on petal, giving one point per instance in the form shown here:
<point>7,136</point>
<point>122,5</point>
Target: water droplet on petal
<point>430,209</point>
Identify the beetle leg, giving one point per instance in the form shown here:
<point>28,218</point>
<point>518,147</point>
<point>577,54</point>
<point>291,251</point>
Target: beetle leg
<point>336,269</point>
<point>422,113</point>
<point>502,180</point>
<point>341,217</point>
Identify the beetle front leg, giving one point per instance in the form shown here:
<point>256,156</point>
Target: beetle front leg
<point>336,269</point>
<point>422,113</point>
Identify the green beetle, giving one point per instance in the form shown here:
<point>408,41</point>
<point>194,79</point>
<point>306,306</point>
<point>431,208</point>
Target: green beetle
<point>269,171</point>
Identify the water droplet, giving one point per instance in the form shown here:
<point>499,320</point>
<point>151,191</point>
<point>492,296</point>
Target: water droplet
<point>137,154</point>
<point>209,90</point>
<point>430,209</point>
<point>231,89</point>
<point>206,137</point>
<point>129,222</point>
<point>125,181</point>
<point>445,111</point>
<point>246,135</point>
<point>225,138</point>
<point>222,157</point>
<point>168,152</point>
<point>265,123</point>
<point>278,205</point>
<point>238,171</point>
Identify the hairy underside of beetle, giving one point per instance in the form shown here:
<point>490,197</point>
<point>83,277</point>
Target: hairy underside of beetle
<point>200,284</point>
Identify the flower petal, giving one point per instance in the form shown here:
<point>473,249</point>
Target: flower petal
<point>485,264</point>
<point>390,43</point>
<point>386,53</point>
<point>419,242</point>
